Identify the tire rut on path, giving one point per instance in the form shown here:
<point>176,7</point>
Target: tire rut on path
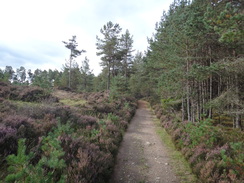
<point>142,157</point>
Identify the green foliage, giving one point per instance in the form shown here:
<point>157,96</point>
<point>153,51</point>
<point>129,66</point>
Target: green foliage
<point>41,79</point>
<point>94,133</point>
<point>170,104</point>
<point>108,48</point>
<point>135,85</point>
<point>230,24</point>
<point>233,159</point>
<point>118,86</point>
<point>99,82</point>
<point>71,65</point>
<point>208,147</point>
<point>52,149</point>
<point>19,164</point>
<point>48,169</point>
<point>126,43</point>
<point>165,102</point>
<point>115,51</point>
<point>126,105</point>
<point>202,131</point>
<point>197,61</point>
<point>87,76</point>
<point>212,155</point>
<point>113,118</point>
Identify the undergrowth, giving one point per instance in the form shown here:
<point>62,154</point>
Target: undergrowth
<point>215,155</point>
<point>44,140</point>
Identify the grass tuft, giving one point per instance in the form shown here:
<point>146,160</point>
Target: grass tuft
<point>74,103</point>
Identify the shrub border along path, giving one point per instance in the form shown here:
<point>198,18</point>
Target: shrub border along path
<point>179,163</point>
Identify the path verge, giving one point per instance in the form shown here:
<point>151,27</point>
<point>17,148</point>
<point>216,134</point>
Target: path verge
<point>180,165</point>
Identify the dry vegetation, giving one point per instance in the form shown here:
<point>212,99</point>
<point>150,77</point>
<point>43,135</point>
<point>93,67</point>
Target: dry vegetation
<point>63,137</point>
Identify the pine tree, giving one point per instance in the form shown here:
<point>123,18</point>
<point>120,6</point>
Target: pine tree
<point>86,75</point>
<point>74,52</point>
<point>108,48</point>
<point>50,167</point>
<point>195,56</point>
<point>126,47</point>
<point>41,79</point>
<point>19,163</point>
<point>9,72</point>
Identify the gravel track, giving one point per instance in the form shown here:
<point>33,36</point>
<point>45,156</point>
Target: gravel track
<point>142,157</point>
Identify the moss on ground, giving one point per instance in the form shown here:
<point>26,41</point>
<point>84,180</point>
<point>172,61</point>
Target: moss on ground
<point>71,102</point>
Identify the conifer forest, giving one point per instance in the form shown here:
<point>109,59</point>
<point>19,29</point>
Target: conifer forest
<point>67,125</point>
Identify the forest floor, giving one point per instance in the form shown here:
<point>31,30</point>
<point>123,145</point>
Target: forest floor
<point>143,157</point>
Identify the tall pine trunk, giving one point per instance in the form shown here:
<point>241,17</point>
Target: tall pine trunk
<point>187,86</point>
<point>237,120</point>
<point>70,64</point>
<point>198,101</point>
<point>182,109</point>
<point>109,76</point>
<point>210,85</point>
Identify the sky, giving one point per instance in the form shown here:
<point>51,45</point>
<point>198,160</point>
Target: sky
<point>32,31</point>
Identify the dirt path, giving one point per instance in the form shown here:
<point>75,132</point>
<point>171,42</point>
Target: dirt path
<point>142,157</point>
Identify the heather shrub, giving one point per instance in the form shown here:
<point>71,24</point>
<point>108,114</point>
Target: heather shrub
<point>85,161</point>
<point>3,83</point>
<point>33,94</point>
<point>41,117</point>
<point>6,108</point>
<point>50,100</point>
<point>1,100</point>
<point>209,149</point>
<point>123,124</point>
<point>4,90</point>
<point>24,93</point>
<point>63,113</point>
<point>22,124</point>
<point>103,108</point>
<point>125,114</point>
<point>113,131</point>
<point>62,143</point>
<point>81,121</point>
<point>45,125</point>
<point>207,170</point>
<point>14,92</point>
<point>107,144</point>
<point>98,97</point>
<point>16,126</point>
<point>199,153</point>
<point>34,110</point>
<point>8,141</point>
<point>215,153</point>
<point>176,134</point>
